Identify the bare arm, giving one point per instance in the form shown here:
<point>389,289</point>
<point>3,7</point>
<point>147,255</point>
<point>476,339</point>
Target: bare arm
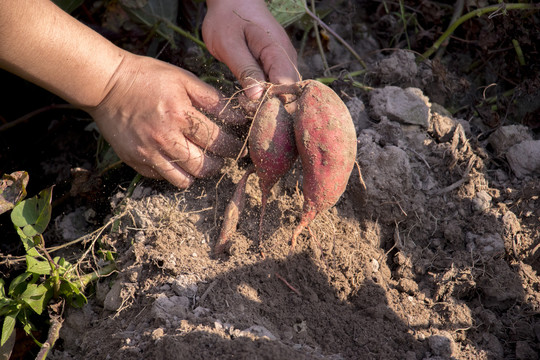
<point>151,112</point>
<point>36,46</point>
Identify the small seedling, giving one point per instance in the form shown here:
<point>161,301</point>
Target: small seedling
<point>45,278</point>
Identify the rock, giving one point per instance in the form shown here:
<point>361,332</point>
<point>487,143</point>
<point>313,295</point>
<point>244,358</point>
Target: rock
<point>481,202</point>
<point>524,158</point>
<point>494,347</point>
<point>399,66</point>
<point>442,344</point>
<point>72,225</point>
<point>165,307</point>
<point>183,286</point>
<point>358,114</point>
<point>525,352</point>
<point>113,300</point>
<point>408,106</point>
<point>258,331</point>
<point>506,136</point>
<point>487,245</point>
<point>500,292</point>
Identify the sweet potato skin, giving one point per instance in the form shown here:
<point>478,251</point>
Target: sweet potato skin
<point>272,147</point>
<point>271,143</point>
<point>233,211</point>
<point>326,143</point>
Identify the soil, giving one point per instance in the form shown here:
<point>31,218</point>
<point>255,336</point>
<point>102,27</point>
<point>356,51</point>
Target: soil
<point>432,252</point>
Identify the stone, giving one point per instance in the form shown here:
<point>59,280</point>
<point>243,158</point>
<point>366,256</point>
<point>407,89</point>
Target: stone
<point>400,66</point>
<point>481,202</point>
<point>359,115</point>
<point>506,136</point>
<point>524,158</point>
<point>442,344</point>
<point>408,106</point>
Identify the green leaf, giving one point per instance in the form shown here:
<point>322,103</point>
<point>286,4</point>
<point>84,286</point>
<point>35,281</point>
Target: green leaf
<point>68,5</point>
<point>33,215</point>
<point>37,296</point>
<point>18,285</point>
<point>35,266</point>
<point>72,294</point>
<point>8,327</point>
<point>152,12</point>
<point>2,290</point>
<point>286,12</point>
<point>12,189</point>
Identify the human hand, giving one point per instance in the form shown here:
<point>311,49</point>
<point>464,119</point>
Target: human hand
<point>246,37</point>
<point>151,119</point>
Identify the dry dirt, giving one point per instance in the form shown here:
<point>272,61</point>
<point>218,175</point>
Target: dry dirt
<point>433,252</point>
<point>437,257</point>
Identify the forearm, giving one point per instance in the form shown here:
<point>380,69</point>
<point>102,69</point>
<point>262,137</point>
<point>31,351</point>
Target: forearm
<point>43,44</point>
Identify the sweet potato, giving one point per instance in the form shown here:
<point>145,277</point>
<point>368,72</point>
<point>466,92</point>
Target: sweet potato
<point>232,213</point>
<point>326,142</point>
<point>271,147</point>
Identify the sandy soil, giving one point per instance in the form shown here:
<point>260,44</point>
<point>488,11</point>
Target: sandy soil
<point>436,257</point>
<point>433,251</point>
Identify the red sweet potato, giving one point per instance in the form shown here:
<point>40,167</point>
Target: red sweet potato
<point>271,146</point>
<point>326,142</point>
<point>232,213</point>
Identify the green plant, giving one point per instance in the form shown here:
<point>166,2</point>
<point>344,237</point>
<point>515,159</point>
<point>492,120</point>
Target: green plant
<point>45,278</point>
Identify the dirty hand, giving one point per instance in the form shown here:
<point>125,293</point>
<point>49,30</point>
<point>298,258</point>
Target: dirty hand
<point>151,118</point>
<point>245,36</point>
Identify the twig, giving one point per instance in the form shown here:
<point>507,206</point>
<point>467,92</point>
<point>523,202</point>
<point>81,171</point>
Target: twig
<point>34,113</point>
<point>183,32</point>
<point>334,34</point>
<point>94,275</point>
<point>470,15</point>
<point>288,285</point>
<point>207,291</point>
<point>519,52</point>
<point>458,10</point>
<point>458,183</point>
<point>319,43</point>
<point>54,334</point>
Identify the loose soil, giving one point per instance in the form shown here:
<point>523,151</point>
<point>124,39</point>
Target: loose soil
<point>433,251</point>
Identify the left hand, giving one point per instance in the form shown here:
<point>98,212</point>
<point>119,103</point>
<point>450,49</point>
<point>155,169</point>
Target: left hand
<point>247,38</point>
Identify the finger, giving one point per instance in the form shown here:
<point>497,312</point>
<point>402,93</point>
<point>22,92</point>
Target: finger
<point>243,65</point>
<point>210,100</point>
<point>184,154</point>
<point>175,175</point>
<point>277,55</point>
<point>169,170</point>
<point>208,135</point>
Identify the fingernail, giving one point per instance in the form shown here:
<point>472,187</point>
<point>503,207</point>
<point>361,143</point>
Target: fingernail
<point>254,92</point>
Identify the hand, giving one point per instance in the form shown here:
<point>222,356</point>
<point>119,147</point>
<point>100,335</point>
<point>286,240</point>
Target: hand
<point>245,36</point>
<point>151,120</point>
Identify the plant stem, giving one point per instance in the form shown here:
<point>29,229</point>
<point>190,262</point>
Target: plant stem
<point>334,34</point>
<point>34,113</point>
<point>477,12</point>
<point>184,33</point>
<point>54,334</point>
<point>519,52</point>
<point>319,43</point>
<point>93,276</point>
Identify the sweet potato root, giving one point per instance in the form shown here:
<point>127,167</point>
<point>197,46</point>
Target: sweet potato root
<point>326,142</point>
<point>320,131</point>
<point>271,147</point>
<point>232,213</point>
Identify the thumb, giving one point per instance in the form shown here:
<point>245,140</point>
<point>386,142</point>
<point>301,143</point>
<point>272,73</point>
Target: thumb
<point>246,69</point>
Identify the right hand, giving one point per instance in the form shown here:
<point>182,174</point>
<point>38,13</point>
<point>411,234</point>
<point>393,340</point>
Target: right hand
<point>153,118</point>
